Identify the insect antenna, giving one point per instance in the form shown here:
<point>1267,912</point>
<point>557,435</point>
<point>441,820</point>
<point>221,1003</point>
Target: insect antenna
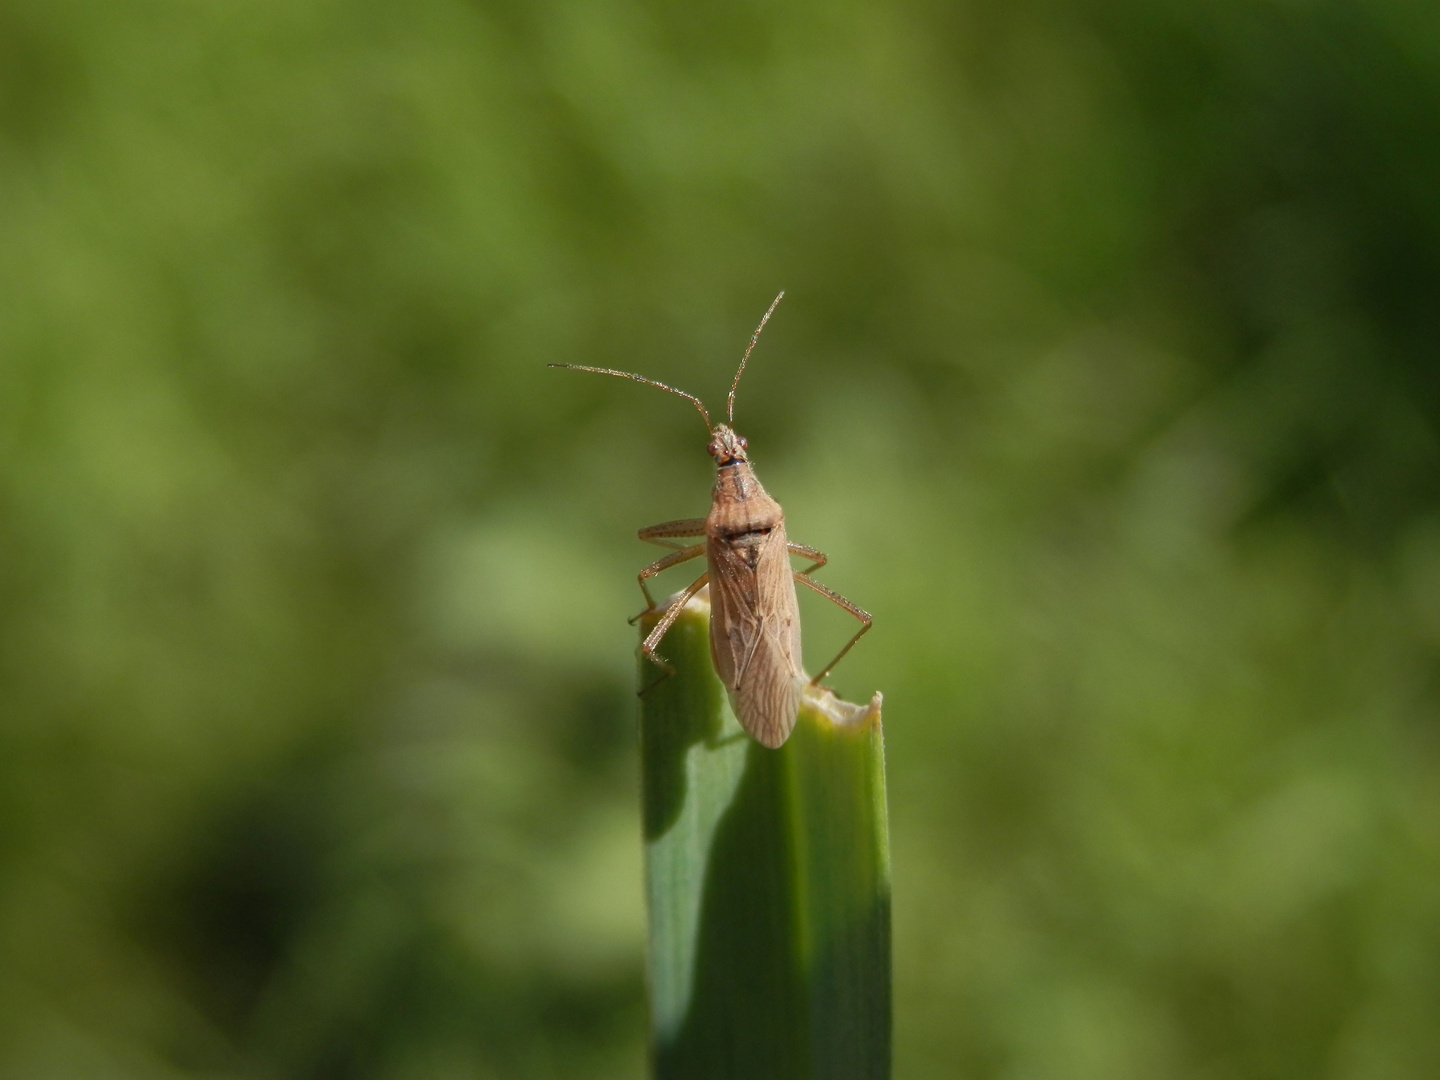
<point>730,401</point>
<point>649,382</point>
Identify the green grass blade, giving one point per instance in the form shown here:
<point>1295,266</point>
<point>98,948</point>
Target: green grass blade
<point>768,880</point>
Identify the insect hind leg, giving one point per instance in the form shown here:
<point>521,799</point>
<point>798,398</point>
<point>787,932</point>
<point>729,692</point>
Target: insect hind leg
<point>835,598</point>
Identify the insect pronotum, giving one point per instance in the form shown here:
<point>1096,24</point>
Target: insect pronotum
<point>754,615</point>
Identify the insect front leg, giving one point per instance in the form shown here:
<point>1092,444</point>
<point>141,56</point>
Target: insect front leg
<point>657,534</point>
<point>652,640</point>
<point>835,597</point>
<point>660,565</point>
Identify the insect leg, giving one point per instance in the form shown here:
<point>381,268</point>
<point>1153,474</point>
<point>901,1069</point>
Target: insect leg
<point>807,552</point>
<point>859,613</point>
<point>659,565</point>
<point>663,627</point>
<point>685,527</point>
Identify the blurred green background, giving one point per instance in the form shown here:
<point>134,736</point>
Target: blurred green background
<point>1107,376</point>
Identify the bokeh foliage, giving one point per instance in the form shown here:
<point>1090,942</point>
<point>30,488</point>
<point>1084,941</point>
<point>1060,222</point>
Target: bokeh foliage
<point>1107,378</point>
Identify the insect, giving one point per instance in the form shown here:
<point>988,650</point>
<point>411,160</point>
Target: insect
<point>754,614</point>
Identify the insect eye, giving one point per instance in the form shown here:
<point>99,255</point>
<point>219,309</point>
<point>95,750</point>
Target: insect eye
<point>712,449</point>
<point>743,443</point>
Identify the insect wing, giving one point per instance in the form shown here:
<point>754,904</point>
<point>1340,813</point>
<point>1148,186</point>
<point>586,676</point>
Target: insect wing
<point>755,633</point>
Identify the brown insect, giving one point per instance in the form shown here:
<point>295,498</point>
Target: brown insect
<point>754,614</point>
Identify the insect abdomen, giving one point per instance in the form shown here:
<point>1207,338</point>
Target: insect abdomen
<point>755,632</point>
